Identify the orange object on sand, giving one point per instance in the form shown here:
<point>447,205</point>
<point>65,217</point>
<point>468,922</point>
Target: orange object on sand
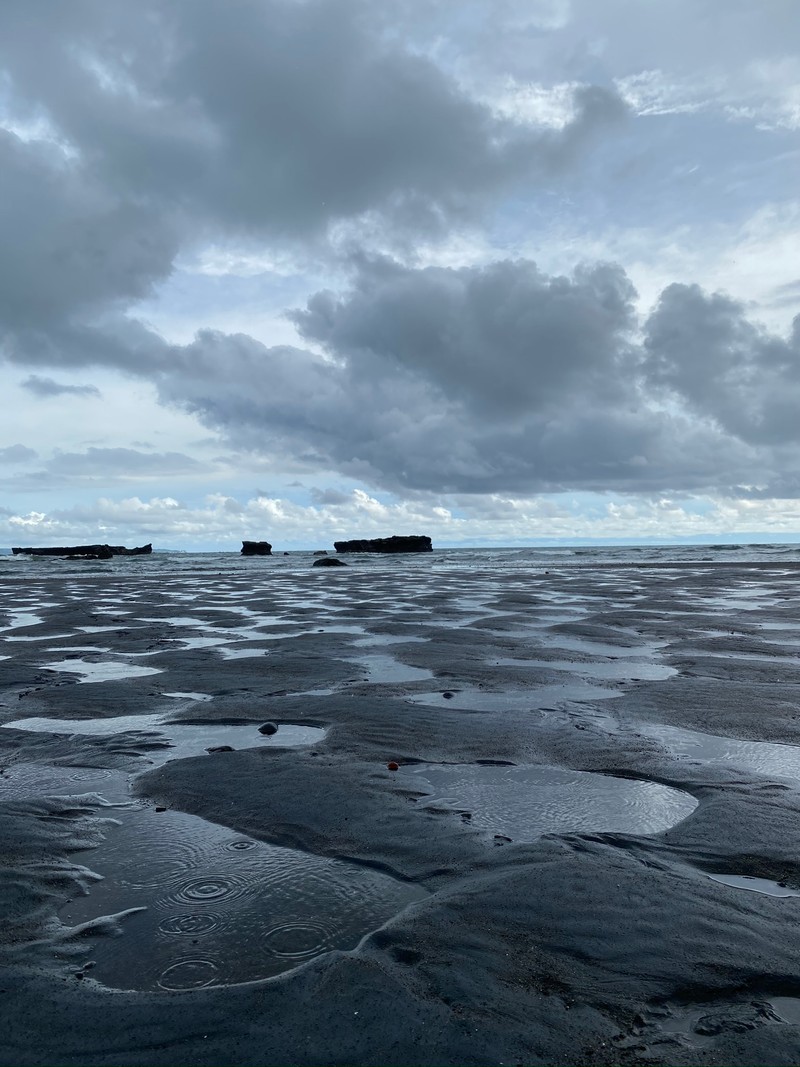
<point>393,766</point>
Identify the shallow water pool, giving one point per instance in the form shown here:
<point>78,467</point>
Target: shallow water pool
<point>525,802</point>
<point>220,907</point>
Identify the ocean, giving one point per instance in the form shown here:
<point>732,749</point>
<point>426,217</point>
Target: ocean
<point>163,563</point>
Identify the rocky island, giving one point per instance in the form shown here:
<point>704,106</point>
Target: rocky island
<point>87,551</point>
<point>385,544</point>
<point>256,548</point>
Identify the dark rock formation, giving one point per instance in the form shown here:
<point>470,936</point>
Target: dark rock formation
<point>328,561</point>
<point>256,548</point>
<point>321,552</point>
<point>86,551</point>
<point>268,728</point>
<point>385,544</point>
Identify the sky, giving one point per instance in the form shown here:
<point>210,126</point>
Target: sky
<point>501,272</point>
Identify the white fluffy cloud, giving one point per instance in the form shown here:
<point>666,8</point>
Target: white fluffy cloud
<point>222,522</point>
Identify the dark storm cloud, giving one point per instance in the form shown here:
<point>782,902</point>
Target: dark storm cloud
<point>705,351</point>
<point>71,247</point>
<point>504,339</point>
<point>175,123</point>
<point>484,379</point>
<point>47,387</point>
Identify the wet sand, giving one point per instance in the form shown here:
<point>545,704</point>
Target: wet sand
<point>589,852</point>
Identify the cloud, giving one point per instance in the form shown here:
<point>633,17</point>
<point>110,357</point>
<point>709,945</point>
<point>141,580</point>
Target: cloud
<point>491,378</point>
<point>153,126</point>
<point>100,466</point>
<point>47,387</point>
<point>329,497</point>
<point>502,338</point>
<point>298,137</point>
<point>223,522</point>
<point>708,354</point>
<point>17,454</point>
<point>502,378</point>
<point>72,248</point>
<point>786,295</point>
<point>122,462</point>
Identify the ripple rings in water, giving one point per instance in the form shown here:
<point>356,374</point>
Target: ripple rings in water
<point>297,939</point>
<point>272,908</point>
<point>212,889</point>
<point>192,923</point>
<point>241,845</point>
<point>189,974</point>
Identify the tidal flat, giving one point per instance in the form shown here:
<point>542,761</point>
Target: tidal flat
<point>588,852</point>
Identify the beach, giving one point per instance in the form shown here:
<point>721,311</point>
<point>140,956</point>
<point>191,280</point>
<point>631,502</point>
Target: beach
<point>452,809</point>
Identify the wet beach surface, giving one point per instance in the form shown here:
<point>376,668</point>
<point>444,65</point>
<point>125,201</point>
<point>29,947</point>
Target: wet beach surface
<point>588,852</point>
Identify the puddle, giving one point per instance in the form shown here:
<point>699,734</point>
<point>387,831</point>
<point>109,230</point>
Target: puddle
<point>221,908</point>
<point>591,647</point>
<point>697,1025</point>
<point>517,699</point>
<point>81,648</point>
<point>189,696</point>
<point>524,802</point>
<point>100,672</point>
<point>186,739</point>
<point>619,670</point>
<point>202,642</point>
<point>759,757</point>
<point>786,1008</point>
<point>243,653</point>
<point>388,639</point>
<point>41,637</point>
<point>339,628</point>
<point>683,1025</point>
<point>386,669</point>
<point>32,781</point>
<point>755,885</point>
<point>20,619</point>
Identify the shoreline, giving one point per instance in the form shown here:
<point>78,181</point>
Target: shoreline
<point>652,745</point>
